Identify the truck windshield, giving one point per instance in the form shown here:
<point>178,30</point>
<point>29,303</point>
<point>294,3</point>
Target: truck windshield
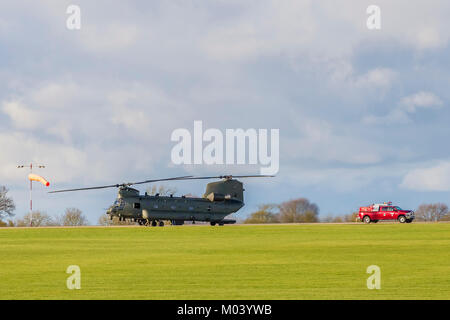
<point>398,208</point>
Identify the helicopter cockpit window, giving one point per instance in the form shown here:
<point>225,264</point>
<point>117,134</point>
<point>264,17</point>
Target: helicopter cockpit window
<point>119,203</point>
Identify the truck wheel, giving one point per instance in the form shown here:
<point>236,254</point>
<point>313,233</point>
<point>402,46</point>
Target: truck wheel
<point>402,219</point>
<point>366,219</point>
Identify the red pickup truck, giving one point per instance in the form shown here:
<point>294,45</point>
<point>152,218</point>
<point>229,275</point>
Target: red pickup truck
<point>385,211</point>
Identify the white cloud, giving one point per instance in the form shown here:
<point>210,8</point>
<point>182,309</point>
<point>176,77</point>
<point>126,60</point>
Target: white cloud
<point>407,106</point>
<point>420,99</point>
<point>430,38</point>
<point>378,77</point>
<point>263,29</point>
<point>435,178</point>
<point>109,38</point>
<point>54,95</point>
<point>322,142</point>
<point>342,179</point>
<point>64,162</point>
<point>22,116</point>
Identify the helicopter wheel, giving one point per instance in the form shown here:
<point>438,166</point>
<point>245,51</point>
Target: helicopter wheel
<point>154,223</point>
<point>212,223</point>
<point>161,223</point>
<point>147,223</point>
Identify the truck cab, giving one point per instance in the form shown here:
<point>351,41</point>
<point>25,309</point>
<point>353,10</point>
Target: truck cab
<point>385,211</point>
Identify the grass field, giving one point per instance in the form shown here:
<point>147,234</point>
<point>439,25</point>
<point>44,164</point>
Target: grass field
<point>322,261</point>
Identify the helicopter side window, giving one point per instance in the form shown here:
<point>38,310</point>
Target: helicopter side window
<point>136,205</point>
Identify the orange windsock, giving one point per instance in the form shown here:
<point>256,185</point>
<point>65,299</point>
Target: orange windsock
<point>35,177</point>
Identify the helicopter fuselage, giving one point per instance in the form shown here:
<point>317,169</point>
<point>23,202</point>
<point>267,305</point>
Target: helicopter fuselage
<point>146,209</point>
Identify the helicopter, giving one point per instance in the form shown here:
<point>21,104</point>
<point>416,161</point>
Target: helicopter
<point>220,199</point>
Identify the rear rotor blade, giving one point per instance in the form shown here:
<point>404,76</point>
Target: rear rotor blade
<point>157,180</point>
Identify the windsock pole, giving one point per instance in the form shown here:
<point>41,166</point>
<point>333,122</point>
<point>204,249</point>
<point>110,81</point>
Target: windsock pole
<point>31,196</point>
<point>31,190</point>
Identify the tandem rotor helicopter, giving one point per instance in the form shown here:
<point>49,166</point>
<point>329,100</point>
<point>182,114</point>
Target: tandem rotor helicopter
<point>221,198</point>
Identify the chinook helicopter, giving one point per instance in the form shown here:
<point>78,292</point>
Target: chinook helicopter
<point>221,198</point>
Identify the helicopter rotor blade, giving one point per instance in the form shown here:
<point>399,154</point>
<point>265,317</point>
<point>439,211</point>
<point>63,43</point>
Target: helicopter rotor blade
<point>228,177</point>
<point>89,188</point>
<point>127,184</point>
<point>157,180</point>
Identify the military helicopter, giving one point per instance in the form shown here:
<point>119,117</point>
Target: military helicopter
<point>221,198</point>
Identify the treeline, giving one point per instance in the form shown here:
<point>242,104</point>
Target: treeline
<point>294,211</point>
<point>299,210</point>
<point>302,211</point>
<point>71,217</point>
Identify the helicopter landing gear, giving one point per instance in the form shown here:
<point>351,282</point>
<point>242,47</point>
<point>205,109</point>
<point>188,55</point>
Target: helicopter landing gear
<point>161,223</point>
<point>154,223</point>
<point>212,223</point>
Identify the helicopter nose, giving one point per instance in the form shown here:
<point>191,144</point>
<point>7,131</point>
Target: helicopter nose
<point>109,210</point>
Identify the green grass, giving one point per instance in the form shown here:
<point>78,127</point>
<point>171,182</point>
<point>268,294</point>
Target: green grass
<point>230,262</point>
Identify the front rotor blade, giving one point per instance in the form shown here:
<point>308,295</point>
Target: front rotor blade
<point>90,188</point>
<point>120,184</point>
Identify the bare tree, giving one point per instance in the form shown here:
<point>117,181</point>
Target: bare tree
<point>298,210</point>
<point>351,217</point>
<point>9,223</point>
<point>7,205</point>
<point>432,212</point>
<point>104,220</point>
<point>265,214</point>
<point>73,217</point>
<point>37,218</point>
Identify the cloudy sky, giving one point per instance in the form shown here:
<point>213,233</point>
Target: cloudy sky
<point>363,114</point>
